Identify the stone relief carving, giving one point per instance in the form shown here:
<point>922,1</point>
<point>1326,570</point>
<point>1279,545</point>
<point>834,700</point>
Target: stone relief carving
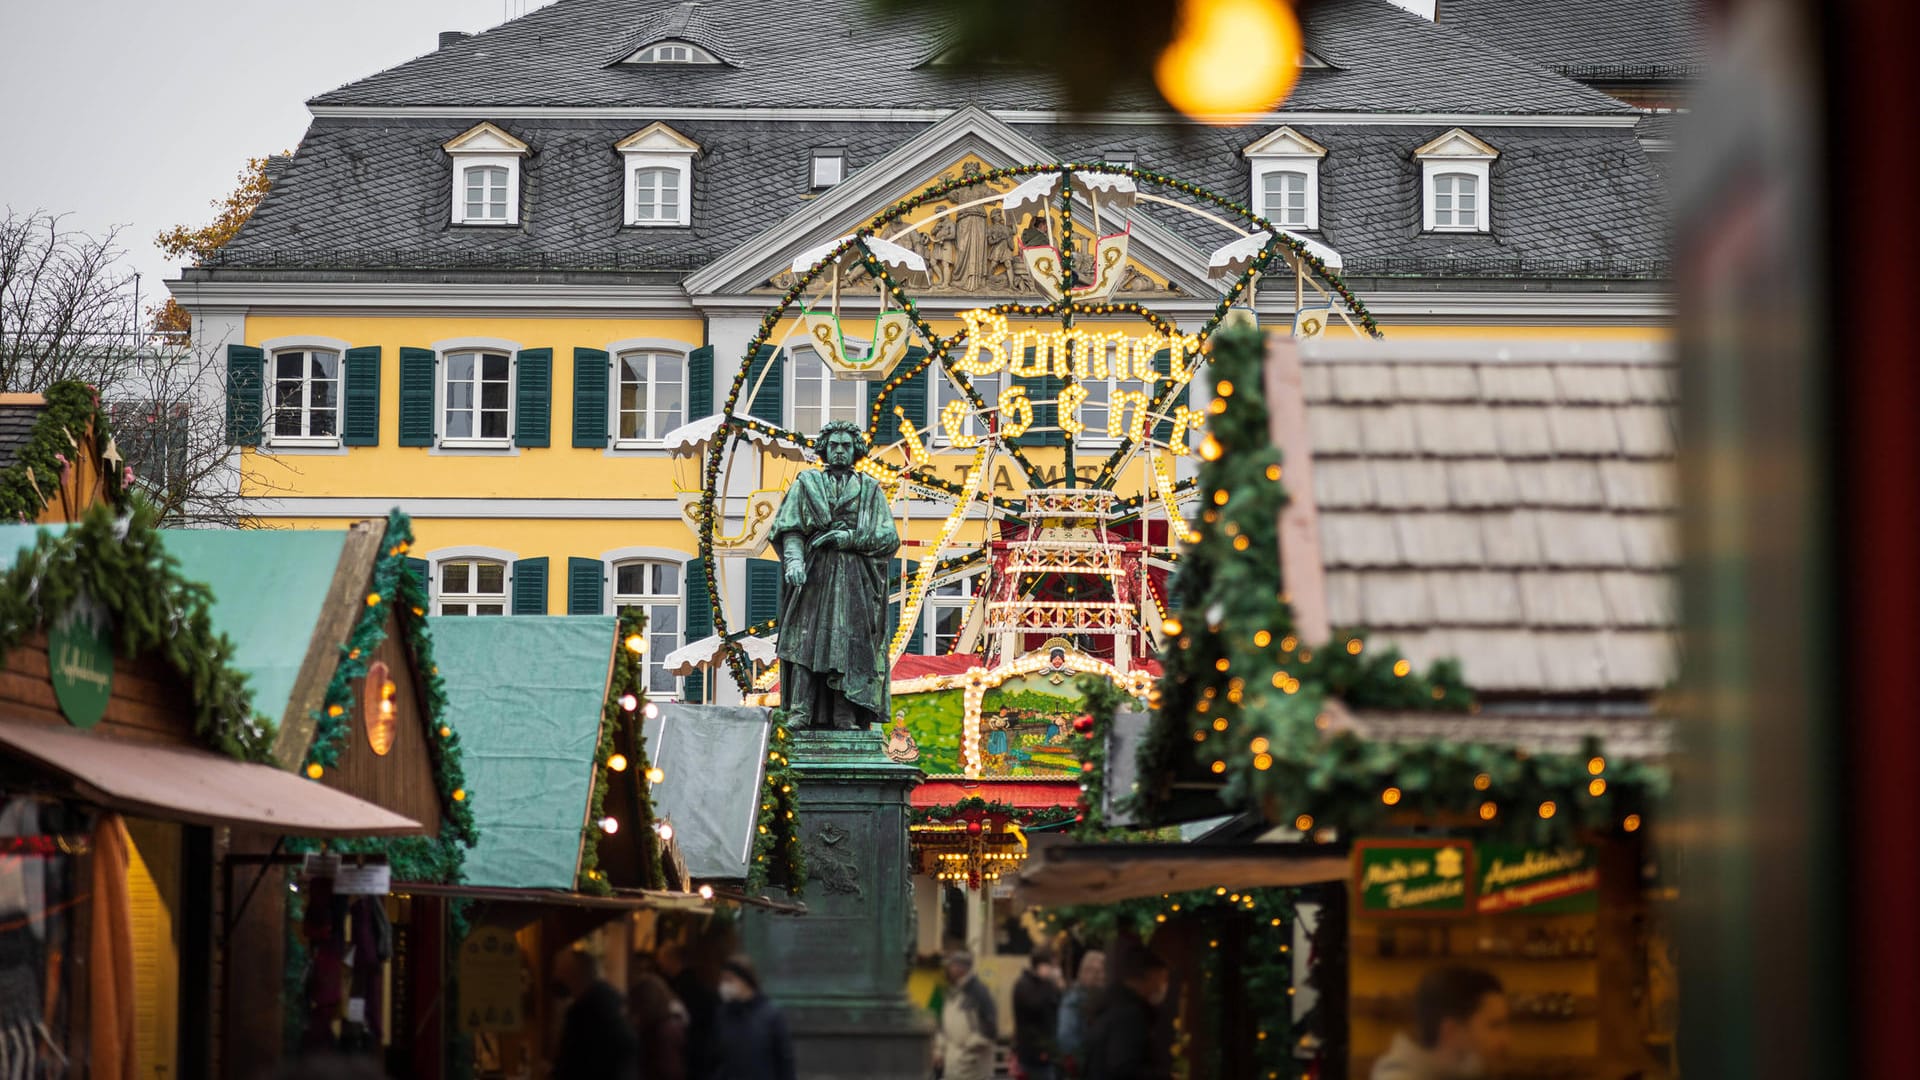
<point>832,863</point>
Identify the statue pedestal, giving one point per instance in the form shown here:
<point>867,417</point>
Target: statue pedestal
<point>840,971</point>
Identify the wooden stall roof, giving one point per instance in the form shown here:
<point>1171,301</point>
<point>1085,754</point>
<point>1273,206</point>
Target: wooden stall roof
<point>1106,873</point>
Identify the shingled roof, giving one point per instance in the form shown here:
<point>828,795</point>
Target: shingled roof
<point>359,193</point>
<point>841,53</point>
<point>17,420</point>
<point>1515,511</point>
<point>1616,40</point>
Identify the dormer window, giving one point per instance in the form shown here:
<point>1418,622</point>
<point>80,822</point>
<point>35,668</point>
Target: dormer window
<point>1286,178</point>
<point>829,168</point>
<point>659,168</point>
<point>671,52</point>
<point>486,176</point>
<point>1455,183</point>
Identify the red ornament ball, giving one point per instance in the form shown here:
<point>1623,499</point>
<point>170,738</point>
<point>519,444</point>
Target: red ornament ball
<point>1086,766</point>
<point>1083,723</point>
<point>973,828</point>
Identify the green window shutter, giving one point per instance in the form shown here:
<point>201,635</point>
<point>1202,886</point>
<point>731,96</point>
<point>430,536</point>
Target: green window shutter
<point>362,425</point>
<point>765,584</point>
<point>530,586</point>
<point>533,398</point>
<point>700,383</point>
<point>698,619</point>
<point>246,382</point>
<point>591,371</point>
<point>1163,363</point>
<point>585,580</point>
<point>422,572</point>
<point>769,405</point>
<point>699,609</point>
<point>910,396</point>
<point>416,397</point>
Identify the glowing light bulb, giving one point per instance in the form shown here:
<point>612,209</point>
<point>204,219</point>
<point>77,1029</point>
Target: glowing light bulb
<point>706,892</point>
<point>618,763</point>
<point>1230,56</point>
<point>629,702</point>
<point>609,825</point>
<point>656,774</point>
<point>315,771</point>
<point>636,643</point>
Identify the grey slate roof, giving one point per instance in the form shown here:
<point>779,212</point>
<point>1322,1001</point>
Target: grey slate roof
<point>1614,40</point>
<point>839,53</point>
<point>363,193</point>
<point>16,430</point>
<point>1516,515</point>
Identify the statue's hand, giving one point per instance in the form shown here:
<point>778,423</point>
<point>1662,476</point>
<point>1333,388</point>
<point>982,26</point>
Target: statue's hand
<point>796,573</point>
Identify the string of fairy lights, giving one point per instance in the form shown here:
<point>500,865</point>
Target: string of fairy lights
<point>1066,309</point>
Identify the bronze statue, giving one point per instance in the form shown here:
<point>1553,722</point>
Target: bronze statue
<point>835,533</point>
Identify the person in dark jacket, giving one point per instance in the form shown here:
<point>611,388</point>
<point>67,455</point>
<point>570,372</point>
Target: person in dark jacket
<point>754,1042</point>
<point>1124,1043</point>
<point>596,1040</point>
<point>661,1022</point>
<point>1036,1016</point>
<point>696,985</point>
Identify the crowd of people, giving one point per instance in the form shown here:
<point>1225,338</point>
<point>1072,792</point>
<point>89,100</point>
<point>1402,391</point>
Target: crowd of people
<point>1100,1030</point>
<point>677,1021</point>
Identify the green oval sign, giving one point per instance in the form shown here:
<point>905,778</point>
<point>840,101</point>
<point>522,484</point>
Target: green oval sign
<point>82,661</point>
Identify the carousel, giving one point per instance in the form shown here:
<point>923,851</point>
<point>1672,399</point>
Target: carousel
<point>1035,447</point>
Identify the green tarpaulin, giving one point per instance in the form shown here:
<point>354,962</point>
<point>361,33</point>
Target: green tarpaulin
<point>268,588</point>
<point>525,694</point>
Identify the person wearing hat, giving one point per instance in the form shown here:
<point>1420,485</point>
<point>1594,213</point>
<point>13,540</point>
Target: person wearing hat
<point>964,1044</point>
<point>754,1041</point>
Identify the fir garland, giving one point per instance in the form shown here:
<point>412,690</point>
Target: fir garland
<point>1242,699</point>
<point>622,719</point>
<point>778,858</point>
<point>31,481</point>
<point>122,565</point>
<point>414,858</point>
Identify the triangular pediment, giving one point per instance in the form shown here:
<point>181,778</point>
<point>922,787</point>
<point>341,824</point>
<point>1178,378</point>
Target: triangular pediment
<point>1159,260</point>
<point>1458,144</point>
<point>484,138</point>
<point>1284,142</point>
<point>657,138</point>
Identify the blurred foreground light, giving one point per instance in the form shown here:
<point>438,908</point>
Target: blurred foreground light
<point>1230,56</point>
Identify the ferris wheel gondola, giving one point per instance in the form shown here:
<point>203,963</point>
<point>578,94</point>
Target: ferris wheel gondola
<point>892,327</point>
<point>1111,194</point>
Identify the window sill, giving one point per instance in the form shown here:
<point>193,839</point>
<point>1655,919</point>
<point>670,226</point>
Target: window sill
<point>476,447</point>
<point>1467,229</point>
<point>295,447</point>
<point>659,224</point>
<point>485,224</point>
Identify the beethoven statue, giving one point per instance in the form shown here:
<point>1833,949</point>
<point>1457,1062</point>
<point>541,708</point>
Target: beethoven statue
<point>834,532</point>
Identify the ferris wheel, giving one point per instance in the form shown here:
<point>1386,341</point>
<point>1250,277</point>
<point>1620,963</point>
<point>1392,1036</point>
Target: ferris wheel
<point>1059,378</point>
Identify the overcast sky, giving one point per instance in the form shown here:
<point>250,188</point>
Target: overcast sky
<point>138,112</point>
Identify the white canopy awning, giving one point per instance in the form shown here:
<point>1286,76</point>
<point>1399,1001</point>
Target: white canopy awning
<point>687,659</point>
<point>1233,257</point>
<point>1113,190</point>
<point>888,252</point>
<point>1034,189</point>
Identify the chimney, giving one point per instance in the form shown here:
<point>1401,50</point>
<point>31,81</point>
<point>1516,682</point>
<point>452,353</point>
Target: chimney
<point>451,37</point>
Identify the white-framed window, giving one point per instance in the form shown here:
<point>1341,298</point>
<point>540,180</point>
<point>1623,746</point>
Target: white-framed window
<point>1456,201</point>
<point>1456,172</point>
<point>654,586</point>
<point>476,398</point>
<point>304,397</point>
<point>1093,412</point>
<point>671,52</point>
<point>650,395</point>
<point>656,196</point>
<point>470,586</point>
<point>485,194</point>
<point>944,391</point>
<point>486,176</point>
<point>1283,198</point>
<point>829,168</point>
<point>1286,178</point>
<point>947,607</point>
<point>815,396</point>
<point>659,171</point>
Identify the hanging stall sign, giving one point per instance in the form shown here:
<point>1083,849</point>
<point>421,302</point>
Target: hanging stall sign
<point>82,661</point>
<point>1541,880</point>
<point>492,981</point>
<point>1413,877</point>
